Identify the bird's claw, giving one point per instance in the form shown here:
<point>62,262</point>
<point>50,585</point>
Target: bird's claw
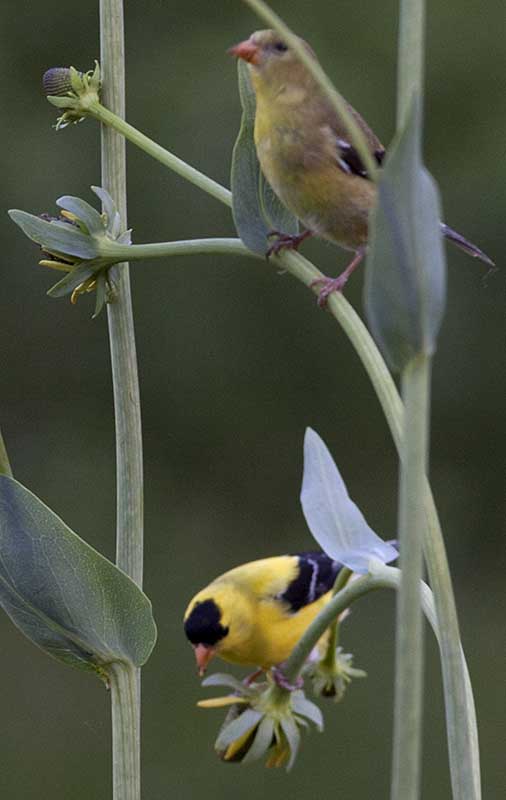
<point>281,680</point>
<point>337,284</point>
<point>330,285</point>
<point>285,241</point>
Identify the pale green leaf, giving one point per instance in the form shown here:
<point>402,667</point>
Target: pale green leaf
<point>255,207</point>
<point>62,594</point>
<point>59,237</point>
<point>406,272</point>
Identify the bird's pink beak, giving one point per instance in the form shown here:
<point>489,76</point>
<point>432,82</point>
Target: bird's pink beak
<point>246,50</point>
<point>203,655</point>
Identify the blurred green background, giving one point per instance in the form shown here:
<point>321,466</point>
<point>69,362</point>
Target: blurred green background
<point>235,360</point>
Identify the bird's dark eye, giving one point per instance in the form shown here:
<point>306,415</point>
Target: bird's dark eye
<point>280,47</point>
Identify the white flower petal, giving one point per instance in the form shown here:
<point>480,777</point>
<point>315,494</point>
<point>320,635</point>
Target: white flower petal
<point>335,521</point>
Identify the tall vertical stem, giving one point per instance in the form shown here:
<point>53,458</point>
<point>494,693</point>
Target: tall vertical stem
<point>129,550</point>
<point>409,641</point>
<point>125,732</point>
<point>129,502</point>
<point>410,56</point>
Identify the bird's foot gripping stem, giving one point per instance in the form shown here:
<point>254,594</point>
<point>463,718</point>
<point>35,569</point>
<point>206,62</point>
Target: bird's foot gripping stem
<point>279,678</point>
<point>286,241</point>
<point>337,284</point>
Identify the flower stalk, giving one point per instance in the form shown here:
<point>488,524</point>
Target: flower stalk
<point>125,697</point>
<point>409,629</point>
<point>125,731</point>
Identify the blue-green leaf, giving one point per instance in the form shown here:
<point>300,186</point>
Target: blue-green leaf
<point>60,237</point>
<point>72,280</point>
<point>406,271</point>
<point>84,211</point>
<point>255,207</point>
<point>62,594</point>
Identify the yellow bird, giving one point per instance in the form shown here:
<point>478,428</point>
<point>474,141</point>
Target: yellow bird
<point>305,154</point>
<point>256,613</point>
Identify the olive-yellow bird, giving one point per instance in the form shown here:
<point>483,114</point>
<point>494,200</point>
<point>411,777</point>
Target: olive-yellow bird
<point>305,154</point>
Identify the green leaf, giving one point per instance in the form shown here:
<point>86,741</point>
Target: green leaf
<point>61,237</point>
<point>72,280</point>
<point>100,294</point>
<point>276,215</point>
<point>62,594</point>
<point>255,207</point>
<point>406,270</point>
<point>84,211</point>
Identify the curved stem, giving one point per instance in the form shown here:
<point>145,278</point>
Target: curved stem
<point>165,157</point>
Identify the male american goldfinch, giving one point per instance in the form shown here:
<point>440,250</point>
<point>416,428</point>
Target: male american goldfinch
<point>256,613</point>
<point>305,155</point>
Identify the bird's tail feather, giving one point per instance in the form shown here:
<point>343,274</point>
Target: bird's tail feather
<point>465,245</point>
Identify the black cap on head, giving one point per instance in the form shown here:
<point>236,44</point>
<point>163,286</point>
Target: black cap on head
<point>203,625</point>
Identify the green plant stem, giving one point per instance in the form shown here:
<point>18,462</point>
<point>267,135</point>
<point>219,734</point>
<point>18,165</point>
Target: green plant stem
<point>5,465</point>
<point>125,731</point>
<point>188,247</point>
<point>125,702</point>
<point>410,59</point>
<point>329,659</point>
<point>165,157</point>
<point>336,100</point>
<point>459,704</point>
<point>129,540</point>
<point>380,577</point>
<point>409,631</point>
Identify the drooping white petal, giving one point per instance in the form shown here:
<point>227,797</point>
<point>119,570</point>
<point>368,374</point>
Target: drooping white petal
<point>335,521</point>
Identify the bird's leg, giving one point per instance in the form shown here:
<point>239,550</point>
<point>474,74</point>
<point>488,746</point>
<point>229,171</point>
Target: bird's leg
<point>286,241</point>
<point>279,678</point>
<point>337,284</point>
<point>248,680</point>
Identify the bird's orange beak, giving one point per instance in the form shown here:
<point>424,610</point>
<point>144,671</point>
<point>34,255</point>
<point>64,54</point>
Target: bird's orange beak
<point>203,654</point>
<point>246,50</point>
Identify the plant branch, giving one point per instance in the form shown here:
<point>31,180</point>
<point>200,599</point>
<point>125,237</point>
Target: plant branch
<point>186,247</point>
<point>409,630</point>
<point>165,157</point>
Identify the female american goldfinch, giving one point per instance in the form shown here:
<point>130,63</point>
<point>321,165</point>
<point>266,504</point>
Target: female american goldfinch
<point>304,153</point>
<point>256,613</point>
